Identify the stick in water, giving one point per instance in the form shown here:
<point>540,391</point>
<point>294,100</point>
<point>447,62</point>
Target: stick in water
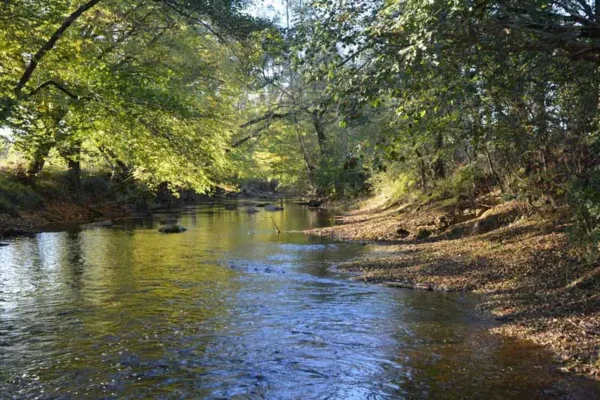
<point>278,230</point>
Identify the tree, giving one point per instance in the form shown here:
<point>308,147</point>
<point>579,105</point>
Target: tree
<point>150,84</point>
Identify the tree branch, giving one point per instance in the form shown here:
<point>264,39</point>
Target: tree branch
<point>266,117</point>
<point>207,26</point>
<point>57,86</point>
<point>586,8</point>
<point>355,54</point>
<point>253,135</point>
<point>49,45</point>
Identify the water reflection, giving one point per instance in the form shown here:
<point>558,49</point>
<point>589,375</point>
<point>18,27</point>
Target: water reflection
<point>231,309</point>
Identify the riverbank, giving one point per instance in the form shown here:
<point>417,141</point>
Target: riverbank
<point>29,206</point>
<point>49,212</point>
<point>61,212</point>
<point>533,281</point>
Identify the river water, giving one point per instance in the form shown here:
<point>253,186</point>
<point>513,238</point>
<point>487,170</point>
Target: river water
<point>230,309</point>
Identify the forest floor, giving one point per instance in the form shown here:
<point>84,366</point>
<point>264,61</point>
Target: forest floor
<point>533,281</point>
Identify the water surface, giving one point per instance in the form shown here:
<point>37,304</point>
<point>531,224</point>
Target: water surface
<point>230,309</point>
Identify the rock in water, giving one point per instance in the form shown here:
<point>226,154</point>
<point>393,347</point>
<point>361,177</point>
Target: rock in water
<point>315,203</point>
<point>172,229</point>
<point>272,207</point>
<point>251,210</point>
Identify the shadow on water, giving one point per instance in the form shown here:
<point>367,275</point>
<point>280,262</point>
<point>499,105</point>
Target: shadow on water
<point>231,309</point>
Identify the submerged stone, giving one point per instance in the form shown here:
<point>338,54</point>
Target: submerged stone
<point>172,229</point>
<point>315,203</point>
<point>272,207</point>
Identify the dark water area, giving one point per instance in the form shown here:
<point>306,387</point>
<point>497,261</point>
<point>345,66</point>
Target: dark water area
<point>232,310</point>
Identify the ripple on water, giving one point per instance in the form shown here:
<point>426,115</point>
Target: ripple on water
<point>297,248</point>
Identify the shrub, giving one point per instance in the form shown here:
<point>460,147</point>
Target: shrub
<point>15,195</point>
<point>394,184</point>
<point>585,202</point>
<point>95,186</point>
<point>467,181</point>
<point>341,178</point>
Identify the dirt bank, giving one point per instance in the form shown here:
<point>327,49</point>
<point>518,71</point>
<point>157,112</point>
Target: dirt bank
<point>59,212</point>
<point>533,282</point>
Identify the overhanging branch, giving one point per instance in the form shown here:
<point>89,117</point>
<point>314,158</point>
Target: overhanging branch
<point>253,135</point>
<point>57,86</point>
<point>49,45</point>
<point>266,117</point>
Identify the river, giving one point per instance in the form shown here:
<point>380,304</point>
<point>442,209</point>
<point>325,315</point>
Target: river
<point>230,309</point>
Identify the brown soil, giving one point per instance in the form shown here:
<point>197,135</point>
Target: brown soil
<point>533,280</point>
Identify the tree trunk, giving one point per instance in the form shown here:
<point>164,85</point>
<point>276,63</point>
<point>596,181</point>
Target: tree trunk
<point>72,156</point>
<point>317,118</point>
<point>52,132</point>
<point>591,101</point>
<point>309,166</point>
<point>542,123</point>
<point>439,169</point>
<point>119,168</point>
<point>74,178</point>
<point>491,166</point>
<point>422,169</point>
<point>37,163</point>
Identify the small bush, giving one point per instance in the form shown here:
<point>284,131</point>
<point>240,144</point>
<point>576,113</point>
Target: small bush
<point>343,177</point>
<point>396,186</point>
<point>95,186</point>
<point>53,185</point>
<point>585,202</point>
<point>466,182</point>
<point>15,196</point>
